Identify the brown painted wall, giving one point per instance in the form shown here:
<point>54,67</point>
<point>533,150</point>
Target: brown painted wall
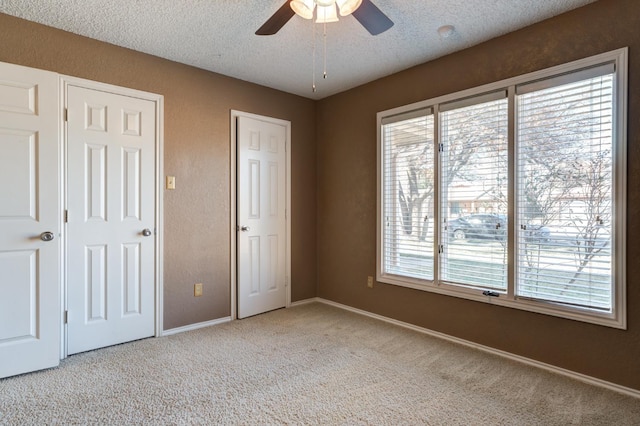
<point>197,117</point>
<point>347,195</point>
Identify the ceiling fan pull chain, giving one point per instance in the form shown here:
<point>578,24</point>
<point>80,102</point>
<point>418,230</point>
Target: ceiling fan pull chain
<point>313,71</point>
<point>324,51</point>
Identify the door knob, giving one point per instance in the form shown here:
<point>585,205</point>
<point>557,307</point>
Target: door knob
<point>244,228</point>
<point>146,232</point>
<point>47,236</point>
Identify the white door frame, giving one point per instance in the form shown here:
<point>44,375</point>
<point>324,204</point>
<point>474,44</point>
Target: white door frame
<point>233,152</point>
<point>65,82</point>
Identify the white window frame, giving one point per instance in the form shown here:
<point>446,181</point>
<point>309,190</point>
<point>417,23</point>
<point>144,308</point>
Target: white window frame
<point>615,319</point>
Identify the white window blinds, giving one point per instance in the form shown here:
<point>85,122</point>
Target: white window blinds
<point>408,194</point>
<point>564,187</point>
<point>512,193</point>
<point>473,202</point>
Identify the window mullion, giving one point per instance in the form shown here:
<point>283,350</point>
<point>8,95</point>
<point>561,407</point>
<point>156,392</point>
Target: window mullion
<point>512,171</point>
<point>437,221</point>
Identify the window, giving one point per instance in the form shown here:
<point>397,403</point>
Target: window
<point>568,193</point>
<point>473,158</point>
<point>409,194</point>
<point>512,193</point>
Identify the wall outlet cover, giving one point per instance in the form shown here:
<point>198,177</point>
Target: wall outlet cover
<point>197,290</point>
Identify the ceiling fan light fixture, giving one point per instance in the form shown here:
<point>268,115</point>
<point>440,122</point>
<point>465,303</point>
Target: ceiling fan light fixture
<point>326,14</point>
<point>347,7</point>
<point>325,2</point>
<point>303,8</point>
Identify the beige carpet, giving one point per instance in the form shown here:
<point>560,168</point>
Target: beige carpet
<point>312,364</point>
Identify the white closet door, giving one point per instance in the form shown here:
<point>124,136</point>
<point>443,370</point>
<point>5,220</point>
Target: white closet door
<point>30,313</point>
<point>111,218</point>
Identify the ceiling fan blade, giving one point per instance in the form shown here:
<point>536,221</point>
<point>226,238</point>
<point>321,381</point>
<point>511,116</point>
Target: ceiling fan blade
<point>372,18</point>
<point>277,20</point>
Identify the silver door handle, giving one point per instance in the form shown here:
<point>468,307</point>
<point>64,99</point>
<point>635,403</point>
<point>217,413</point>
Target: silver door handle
<point>47,236</point>
<point>244,228</point>
<point>146,232</point>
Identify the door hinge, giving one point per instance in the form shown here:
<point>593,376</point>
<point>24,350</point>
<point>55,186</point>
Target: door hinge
<point>66,114</point>
<point>66,216</point>
<point>66,317</point>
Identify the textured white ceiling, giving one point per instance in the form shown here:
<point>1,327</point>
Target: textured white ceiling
<point>218,35</point>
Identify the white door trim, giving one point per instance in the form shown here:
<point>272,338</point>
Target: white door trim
<point>65,82</point>
<point>233,199</point>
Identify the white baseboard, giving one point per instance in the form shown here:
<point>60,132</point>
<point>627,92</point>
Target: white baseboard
<point>305,301</point>
<point>196,326</point>
<point>552,368</point>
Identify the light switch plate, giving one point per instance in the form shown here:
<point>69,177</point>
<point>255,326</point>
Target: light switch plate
<point>171,182</point>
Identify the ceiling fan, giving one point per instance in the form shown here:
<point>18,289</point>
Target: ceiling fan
<point>364,11</point>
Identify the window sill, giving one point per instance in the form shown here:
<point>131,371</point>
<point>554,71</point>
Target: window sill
<point>475,294</point>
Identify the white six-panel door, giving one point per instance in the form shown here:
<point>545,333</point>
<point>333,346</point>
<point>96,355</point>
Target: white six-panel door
<point>30,310</point>
<point>261,216</point>
<point>111,218</point>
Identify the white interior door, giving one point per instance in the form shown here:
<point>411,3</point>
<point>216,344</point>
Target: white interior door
<point>111,218</point>
<point>261,216</point>
<point>30,311</point>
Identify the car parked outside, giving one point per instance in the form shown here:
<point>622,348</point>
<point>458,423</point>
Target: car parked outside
<point>477,226</point>
<point>491,226</point>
